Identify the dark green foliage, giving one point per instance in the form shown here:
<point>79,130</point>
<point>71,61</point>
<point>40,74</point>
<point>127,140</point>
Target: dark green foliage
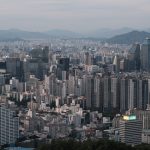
<point>86,145</point>
<point>143,147</point>
<point>87,118</point>
<point>53,104</point>
<point>19,103</point>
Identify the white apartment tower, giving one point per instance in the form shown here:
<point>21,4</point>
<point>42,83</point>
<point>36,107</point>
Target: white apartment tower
<point>9,125</point>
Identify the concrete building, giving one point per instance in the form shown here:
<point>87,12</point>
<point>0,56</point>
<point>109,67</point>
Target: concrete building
<point>89,91</point>
<point>107,95</point>
<point>130,130</point>
<point>123,95</point>
<point>9,125</point>
<point>114,93</point>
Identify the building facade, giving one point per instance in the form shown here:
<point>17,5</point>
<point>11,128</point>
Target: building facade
<point>9,125</point>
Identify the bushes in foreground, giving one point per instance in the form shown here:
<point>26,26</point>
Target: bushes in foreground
<point>85,145</point>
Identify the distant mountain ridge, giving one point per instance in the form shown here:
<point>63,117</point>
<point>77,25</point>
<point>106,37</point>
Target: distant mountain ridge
<point>19,34</point>
<point>129,38</point>
<point>63,33</point>
<point>108,33</point>
<point>120,36</point>
<point>12,34</point>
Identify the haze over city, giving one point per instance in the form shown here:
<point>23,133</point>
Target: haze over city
<point>75,15</point>
<point>74,75</point>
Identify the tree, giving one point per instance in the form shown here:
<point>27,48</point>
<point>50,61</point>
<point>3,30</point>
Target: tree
<point>53,105</point>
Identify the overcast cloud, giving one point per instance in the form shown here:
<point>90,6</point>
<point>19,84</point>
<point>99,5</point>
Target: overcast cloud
<point>75,15</point>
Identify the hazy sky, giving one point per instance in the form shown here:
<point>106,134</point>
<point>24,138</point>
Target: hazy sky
<point>75,15</point>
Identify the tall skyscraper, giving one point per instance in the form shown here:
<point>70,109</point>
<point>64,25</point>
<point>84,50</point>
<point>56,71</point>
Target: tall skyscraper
<point>63,66</point>
<point>9,125</point>
<point>123,94</point>
<point>89,91</point>
<point>107,94</point>
<point>131,94</point>
<point>134,58</point>
<point>114,93</point>
<point>98,90</point>
<point>116,63</point>
<point>145,55</point>
<point>139,94</point>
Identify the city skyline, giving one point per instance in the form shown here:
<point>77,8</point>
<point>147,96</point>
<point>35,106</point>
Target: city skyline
<point>78,16</point>
<point>74,74</point>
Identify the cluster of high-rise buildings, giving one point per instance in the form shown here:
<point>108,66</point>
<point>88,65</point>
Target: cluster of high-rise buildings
<point>61,91</point>
<point>104,93</point>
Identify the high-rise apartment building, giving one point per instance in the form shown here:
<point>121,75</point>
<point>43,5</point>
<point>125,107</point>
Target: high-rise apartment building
<point>98,90</point>
<point>114,93</point>
<point>123,94</point>
<point>131,94</point>
<point>9,125</point>
<point>107,95</point>
<point>89,91</point>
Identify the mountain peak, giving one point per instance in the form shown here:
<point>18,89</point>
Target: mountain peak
<point>130,37</point>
